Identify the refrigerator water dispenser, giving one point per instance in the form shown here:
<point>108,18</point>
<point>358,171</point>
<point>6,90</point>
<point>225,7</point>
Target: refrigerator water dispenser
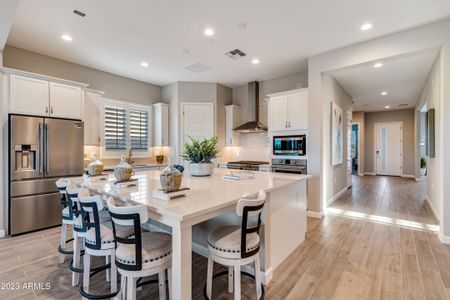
<point>25,157</point>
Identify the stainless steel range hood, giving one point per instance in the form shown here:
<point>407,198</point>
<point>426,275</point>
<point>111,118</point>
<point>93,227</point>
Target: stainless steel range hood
<point>253,125</point>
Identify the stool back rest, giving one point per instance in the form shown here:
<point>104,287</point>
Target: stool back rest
<point>250,209</point>
<point>91,205</point>
<point>61,185</point>
<point>131,216</point>
<point>75,209</point>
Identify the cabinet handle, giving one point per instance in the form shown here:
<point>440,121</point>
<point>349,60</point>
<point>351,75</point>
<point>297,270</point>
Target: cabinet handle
<point>98,138</point>
<point>51,109</point>
<point>46,109</point>
<point>285,125</point>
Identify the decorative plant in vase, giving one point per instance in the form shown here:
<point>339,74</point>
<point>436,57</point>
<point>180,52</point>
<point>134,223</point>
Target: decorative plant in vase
<point>423,166</point>
<point>199,154</point>
<point>160,158</point>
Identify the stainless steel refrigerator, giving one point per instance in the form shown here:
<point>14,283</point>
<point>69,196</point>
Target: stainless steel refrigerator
<point>41,150</point>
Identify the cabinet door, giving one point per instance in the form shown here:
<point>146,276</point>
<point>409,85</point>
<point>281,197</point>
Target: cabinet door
<point>65,101</point>
<point>91,118</point>
<point>161,130</point>
<point>278,113</point>
<point>298,111</point>
<point>231,121</point>
<point>29,96</point>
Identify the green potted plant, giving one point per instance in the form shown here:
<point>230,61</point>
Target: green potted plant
<point>199,154</point>
<point>423,166</point>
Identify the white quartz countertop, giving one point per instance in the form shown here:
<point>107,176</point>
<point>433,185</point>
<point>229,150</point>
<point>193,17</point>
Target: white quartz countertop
<point>206,193</point>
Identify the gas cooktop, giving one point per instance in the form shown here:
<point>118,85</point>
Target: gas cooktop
<point>249,162</point>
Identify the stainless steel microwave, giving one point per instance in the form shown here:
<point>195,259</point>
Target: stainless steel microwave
<point>293,145</point>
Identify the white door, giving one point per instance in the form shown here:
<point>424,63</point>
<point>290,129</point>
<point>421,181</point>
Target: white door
<point>65,101</point>
<point>197,121</point>
<point>29,96</point>
<point>278,113</point>
<point>389,149</point>
<point>298,111</point>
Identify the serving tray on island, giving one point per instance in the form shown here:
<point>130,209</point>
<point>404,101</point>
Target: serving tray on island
<point>162,195</point>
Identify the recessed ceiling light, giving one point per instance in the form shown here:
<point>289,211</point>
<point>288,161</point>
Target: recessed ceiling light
<point>378,65</point>
<point>144,64</point>
<point>366,26</point>
<point>387,106</point>
<point>255,61</point>
<point>384,93</point>
<point>208,32</point>
<point>66,37</point>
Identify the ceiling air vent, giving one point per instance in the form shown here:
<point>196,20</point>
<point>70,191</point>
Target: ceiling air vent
<point>236,53</point>
<point>403,105</point>
<point>197,68</point>
<point>79,13</point>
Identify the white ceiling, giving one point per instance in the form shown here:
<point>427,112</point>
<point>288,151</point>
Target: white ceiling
<point>402,77</point>
<point>117,35</point>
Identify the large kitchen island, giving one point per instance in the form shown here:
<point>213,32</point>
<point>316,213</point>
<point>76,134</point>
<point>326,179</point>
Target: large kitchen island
<point>210,203</point>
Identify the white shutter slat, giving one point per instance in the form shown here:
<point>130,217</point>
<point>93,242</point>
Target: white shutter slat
<point>138,121</point>
<point>115,125</point>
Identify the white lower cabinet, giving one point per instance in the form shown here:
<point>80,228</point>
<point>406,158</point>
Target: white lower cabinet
<point>29,95</point>
<point>91,117</point>
<point>66,101</point>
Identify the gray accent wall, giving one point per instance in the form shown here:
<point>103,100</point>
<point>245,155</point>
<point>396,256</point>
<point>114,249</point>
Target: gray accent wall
<point>114,86</point>
<point>406,116</point>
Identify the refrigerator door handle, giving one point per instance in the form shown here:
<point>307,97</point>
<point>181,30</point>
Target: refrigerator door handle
<point>41,148</point>
<point>47,163</point>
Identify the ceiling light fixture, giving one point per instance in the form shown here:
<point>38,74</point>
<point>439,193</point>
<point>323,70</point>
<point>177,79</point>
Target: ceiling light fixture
<point>384,93</point>
<point>378,65</point>
<point>366,26</point>
<point>255,61</point>
<point>387,106</point>
<point>66,37</point>
<point>144,64</point>
<point>208,32</point>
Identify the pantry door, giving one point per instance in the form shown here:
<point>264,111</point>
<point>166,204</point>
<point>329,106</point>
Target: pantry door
<point>389,148</point>
<point>197,121</point>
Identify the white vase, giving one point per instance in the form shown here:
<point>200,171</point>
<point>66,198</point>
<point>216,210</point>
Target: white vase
<point>201,169</point>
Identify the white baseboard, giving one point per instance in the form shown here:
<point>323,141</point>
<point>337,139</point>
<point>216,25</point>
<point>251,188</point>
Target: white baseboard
<point>433,208</point>
<point>361,174</point>
<point>370,173</point>
<point>2,233</point>
<point>314,214</point>
<point>419,179</point>
<point>335,197</point>
<point>444,238</point>
<point>408,176</point>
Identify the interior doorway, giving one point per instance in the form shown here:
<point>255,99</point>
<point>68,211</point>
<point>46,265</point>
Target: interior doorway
<point>389,148</point>
<point>355,148</point>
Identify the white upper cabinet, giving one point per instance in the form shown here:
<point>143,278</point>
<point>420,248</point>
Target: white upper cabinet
<point>288,110</point>
<point>66,101</point>
<point>29,95</point>
<point>91,117</point>
<point>231,121</point>
<point>161,124</point>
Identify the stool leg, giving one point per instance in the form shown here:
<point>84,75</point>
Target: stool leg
<point>123,286</point>
<point>237,281</point>
<point>113,272</point>
<point>169,274</point>
<point>86,271</point>
<point>108,273</point>
<point>76,259</point>
<point>162,285</point>
<point>63,242</point>
<point>131,288</point>
<point>209,277</point>
<point>230,280</point>
<point>258,278</point>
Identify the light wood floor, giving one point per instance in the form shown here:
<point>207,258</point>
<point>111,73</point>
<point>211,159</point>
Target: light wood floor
<point>342,258</point>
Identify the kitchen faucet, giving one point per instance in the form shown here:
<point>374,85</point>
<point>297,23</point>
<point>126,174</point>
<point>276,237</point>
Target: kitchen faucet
<point>130,154</point>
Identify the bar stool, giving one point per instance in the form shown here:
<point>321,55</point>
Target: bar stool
<point>67,218</point>
<point>234,246</point>
<point>144,254</point>
<point>79,231</point>
<point>99,241</point>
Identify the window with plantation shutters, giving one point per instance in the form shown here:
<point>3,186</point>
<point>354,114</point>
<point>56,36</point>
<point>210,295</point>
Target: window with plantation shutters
<point>139,137</point>
<point>115,128</point>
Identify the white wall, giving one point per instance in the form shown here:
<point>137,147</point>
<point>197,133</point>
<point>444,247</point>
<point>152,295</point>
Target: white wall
<point>431,97</point>
<point>409,41</point>
<point>336,180</point>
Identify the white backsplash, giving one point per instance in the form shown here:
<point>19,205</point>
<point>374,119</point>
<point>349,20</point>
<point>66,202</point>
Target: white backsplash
<point>252,146</point>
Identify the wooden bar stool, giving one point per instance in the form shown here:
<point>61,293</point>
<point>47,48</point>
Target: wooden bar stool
<point>143,254</point>
<point>234,246</point>
<point>99,241</point>
<point>67,218</point>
